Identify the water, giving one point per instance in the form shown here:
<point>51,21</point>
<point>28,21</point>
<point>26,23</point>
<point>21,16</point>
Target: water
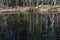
<point>30,26</point>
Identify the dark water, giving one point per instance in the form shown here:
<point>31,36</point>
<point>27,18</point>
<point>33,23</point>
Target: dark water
<point>29,27</point>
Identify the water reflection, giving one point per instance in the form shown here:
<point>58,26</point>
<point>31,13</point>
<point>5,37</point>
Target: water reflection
<point>15,27</point>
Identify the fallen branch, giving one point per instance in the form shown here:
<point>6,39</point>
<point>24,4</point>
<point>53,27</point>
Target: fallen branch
<point>38,9</point>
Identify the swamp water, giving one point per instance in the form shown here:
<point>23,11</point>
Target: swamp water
<point>30,26</point>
